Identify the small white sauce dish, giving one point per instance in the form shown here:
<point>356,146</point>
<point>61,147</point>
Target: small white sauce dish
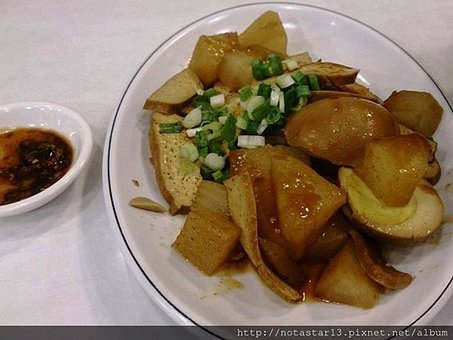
<point>56,118</point>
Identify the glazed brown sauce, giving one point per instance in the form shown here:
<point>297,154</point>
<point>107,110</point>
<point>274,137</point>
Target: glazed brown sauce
<point>31,160</point>
<point>312,270</point>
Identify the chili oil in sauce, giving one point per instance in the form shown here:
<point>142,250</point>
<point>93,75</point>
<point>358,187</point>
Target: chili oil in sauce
<point>31,160</point>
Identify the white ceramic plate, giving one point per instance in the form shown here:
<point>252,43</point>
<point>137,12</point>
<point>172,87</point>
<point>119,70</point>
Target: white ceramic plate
<point>53,117</point>
<point>190,297</point>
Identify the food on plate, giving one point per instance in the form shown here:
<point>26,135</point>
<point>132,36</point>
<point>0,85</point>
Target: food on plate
<point>267,31</point>
<point>241,203</point>
<point>279,261</point>
<point>330,74</point>
<point>415,221</point>
<point>146,203</point>
<point>175,93</point>
<point>401,160</point>
<point>208,54</point>
<point>333,238</point>
<point>344,281</point>
<point>417,110</point>
<point>178,180</point>
<point>213,196</point>
<point>207,239</point>
<point>338,129</point>
<point>305,202</point>
<point>294,165</point>
<point>234,69</point>
<point>356,89</point>
<point>376,267</point>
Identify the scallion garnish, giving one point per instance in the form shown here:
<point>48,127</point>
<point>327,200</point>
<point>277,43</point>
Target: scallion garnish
<point>229,129</point>
<point>264,90</point>
<point>285,80</point>
<point>193,118</point>
<point>314,82</point>
<point>189,151</point>
<point>214,162</point>
<point>219,175</point>
<point>241,123</point>
<point>170,127</point>
<point>201,139</point>
<point>245,93</point>
<point>275,64</point>
<point>257,69</point>
<point>245,141</point>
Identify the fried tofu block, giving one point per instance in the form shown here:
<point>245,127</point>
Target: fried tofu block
<point>344,281</point>
<point>207,239</point>
<point>213,196</point>
<point>241,202</point>
<point>178,189</point>
<point>175,93</point>
<point>281,264</point>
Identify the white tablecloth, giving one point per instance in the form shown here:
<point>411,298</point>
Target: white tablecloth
<point>61,264</point>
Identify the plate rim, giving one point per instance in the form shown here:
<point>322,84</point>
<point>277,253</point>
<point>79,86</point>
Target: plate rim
<point>163,301</point>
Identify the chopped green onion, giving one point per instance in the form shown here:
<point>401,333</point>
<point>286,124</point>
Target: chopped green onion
<point>252,127</point>
<point>267,70</point>
<point>250,142</point>
<point>314,82</point>
<point>191,132</point>
<point>273,116</point>
<point>275,64</point>
<point>264,90</point>
<point>219,175</point>
<point>291,99</point>
<point>281,102</point>
<point>263,125</point>
<point>229,129</point>
<point>299,78</point>
<point>212,126</point>
<point>203,151</point>
<point>257,69</point>
<point>260,112</point>
<point>215,146</point>
<point>253,103</point>
<point>290,64</point>
<point>214,162</point>
<point>187,167</point>
<point>203,98</point>
<point>245,93</point>
<point>215,134</point>
<point>201,139</point>
<point>210,92</point>
<point>189,151</point>
<point>285,80</point>
<point>170,127</point>
<point>241,123</point>
<point>303,100</point>
<point>222,119</point>
<point>193,118</point>
<point>302,90</point>
<point>273,98</point>
<point>217,100</point>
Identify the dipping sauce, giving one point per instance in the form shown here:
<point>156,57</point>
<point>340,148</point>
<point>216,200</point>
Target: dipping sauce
<point>31,160</point>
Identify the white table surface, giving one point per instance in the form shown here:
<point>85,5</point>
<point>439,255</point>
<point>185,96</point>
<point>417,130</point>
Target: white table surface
<point>61,264</point>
